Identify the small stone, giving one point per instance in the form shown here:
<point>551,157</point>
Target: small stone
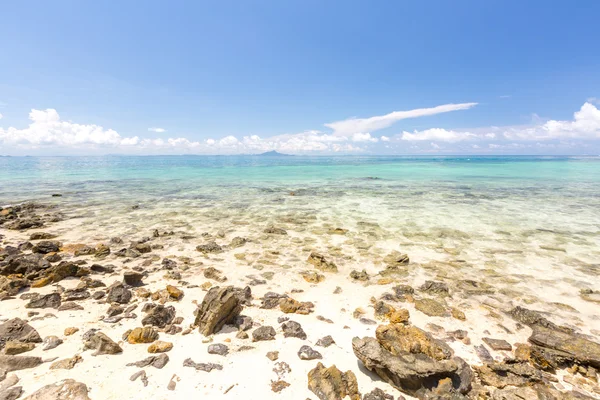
<point>207,367</point>
<point>458,314</point>
<point>210,247</point>
<point>51,300</point>
<point>377,394</point>
<point>312,277</point>
<point>68,363</point>
<point>242,335</point>
<point>142,375</point>
<point>160,347</point>
<point>70,331</point>
<point>497,344</point>
<point>308,353</point>
<point>278,386</point>
<point>337,290</point>
<point>147,334</point>
<point>218,348</point>
<point>133,278</point>
<point>51,342</point>
<point>273,355</point>
<point>174,292</point>
<point>158,361</point>
<point>293,329</point>
<point>14,348</point>
<point>325,341</point>
<point>359,275</point>
<point>430,307</point>
<point>263,333</point>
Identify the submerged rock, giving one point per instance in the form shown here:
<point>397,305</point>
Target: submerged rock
<point>220,306</point>
<point>332,384</point>
<point>321,263</point>
<point>210,247</point>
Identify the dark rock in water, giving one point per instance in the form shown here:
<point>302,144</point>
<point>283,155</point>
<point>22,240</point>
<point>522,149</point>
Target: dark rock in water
<point>16,363</point>
<point>18,330</point>
<point>275,231</point>
<point>501,375</point>
<point>263,333</point>
<point>160,316</point>
<point>325,341</point>
<point>102,344</point>
<point>67,389</point>
<point>395,258</point>
<point>332,384</point>
<point>207,367</point>
<point>436,288</point>
<point>580,349</point>
<point>308,353</point>
<point>24,224</point>
<point>293,329</point>
<point>321,263</point>
<point>220,306</point>
<point>51,300</point>
<point>158,361</point>
<point>497,344</point>
<point>210,247</point>
<point>377,394</point>
<point>46,246</point>
<point>118,293</point>
<point>218,348</point>
<point>133,278</point>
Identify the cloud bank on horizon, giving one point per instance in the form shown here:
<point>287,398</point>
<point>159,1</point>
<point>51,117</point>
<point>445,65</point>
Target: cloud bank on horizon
<point>49,134</point>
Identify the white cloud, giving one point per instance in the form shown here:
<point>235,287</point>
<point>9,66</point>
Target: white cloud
<point>157,130</point>
<point>385,139</point>
<point>351,126</point>
<point>363,137</point>
<point>439,134</point>
<point>1,116</point>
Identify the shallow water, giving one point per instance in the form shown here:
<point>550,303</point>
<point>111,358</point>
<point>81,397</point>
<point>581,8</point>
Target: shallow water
<point>529,225</point>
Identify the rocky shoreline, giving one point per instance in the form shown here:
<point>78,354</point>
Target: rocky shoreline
<point>218,315</point>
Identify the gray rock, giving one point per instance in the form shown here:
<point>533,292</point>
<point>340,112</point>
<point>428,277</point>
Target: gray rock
<point>435,288</point>
<point>207,367</point>
<point>577,347</point>
<point>243,322</point>
<point>51,300</point>
<point>102,344</point>
<point>377,394</point>
<point>118,293</point>
<point>159,316</point>
<point>133,278</point>
<point>12,393</point>
<point>308,353</point>
<point>18,330</point>
<point>263,333</point>
<point>158,361</point>
<point>497,344</point>
<point>70,306</point>
<point>218,348</point>
<point>293,329</point>
<point>16,363</point>
<point>325,341</point>
<point>46,246</point>
<point>51,342</point>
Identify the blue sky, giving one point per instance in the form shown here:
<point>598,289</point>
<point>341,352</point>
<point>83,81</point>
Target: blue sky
<point>83,77</point>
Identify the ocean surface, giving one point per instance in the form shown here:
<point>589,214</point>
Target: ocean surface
<point>531,224</point>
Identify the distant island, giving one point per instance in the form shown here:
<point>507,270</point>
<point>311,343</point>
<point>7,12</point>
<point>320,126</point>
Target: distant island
<point>274,153</point>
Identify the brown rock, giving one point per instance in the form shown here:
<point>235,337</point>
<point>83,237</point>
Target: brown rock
<point>399,339</point>
<point>219,307</point>
<point>321,263</point>
<point>147,334</point>
<point>289,306</point>
<point>17,330</point>
<point>67,389</point>
<point>14,348</point>
<point>497,344</point>
<point>332,384</point>
<point>102,344</point>
<point>174,292</point>
<point>160,347</point>
<point>68,363</point>
<point>312,276</point>
<point>70,331</point>
<point>430,307</point>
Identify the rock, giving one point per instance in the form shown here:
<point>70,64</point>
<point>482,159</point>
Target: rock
<point>218,348</point>
<point>359,276</point>
<point>84,251</point>
<point>367,321</point>
<point>576,347</point>
<point>396,258</point>
<point>278,386</point>
<point>67,389</point>
<point>275,231</point>
<point>16,363</point>
<point>160,347</point>
<point>172,383</point>
<point>263,333</point>
<point>321,263</point>
<point>387,312</point>
<point>102,250</point>
<point>243,322</point>
<point>483,354</point>
<point>12,286</point>
<point>308,353</point>
<point>312,276</point>
<point>147,334</point>
<point>156,361</point>
<point>501,375</point>
<point>46,246</point>
<point>51,342</point>
<point>174,293</point>
<point>497,344</point>
<point>128,253</point>
<point>12,393</point>
<point>51,300</point>
<point>332,384</point>
<point>289,305</point>
<point>325,341</point>
<point>399,339</point>
<point>41,236</point>
<point>532,318</point>
<point>435,288</point>
<point>76,294</point>
<point>133,278</point>
<point>70,331</point>
<point>70,306</point>
<point>159,316</point>
<point>273,355</point>
<point>293,329</point>
<point>14,348</point>
<point>241,335</point>
<point>237,242</point>
<point>118,293</point>
<point>271,300</point>
<point>102,344</point>
<point>220,306</point>
<point>377,394</point>
<point>143,248</point>
<point>67,363</point>
<point>414,374</point>
<point>17,330</point>
<point>210,247</point>
<point>458,314</point>
<point>207,367</point>
<point>430,307</point>
<point>142,375</point>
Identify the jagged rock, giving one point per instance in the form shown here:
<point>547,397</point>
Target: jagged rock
<point>537,392</point>
<point>275,231</point>
<point>289,305</point>
<point>51,300</point>
<point>16,363</point>
<point>414,374</point>
<point>14,348</point>
<point>497,344</point>
<point>533,318</point>
<point>12,286</point>
<point>84,251</point>
<point>156,361</point>
<point>435,288</point>
<point>399,339</point>
<point>430,307</point>
<point>174,293</point>
<point>483,354</point>
<point>263,333</point>
<point>102,344</point>
<point>18,330</point>
<point>278,386</point>
<point>143,248</point>
<point>147,334</point>
<point>207,367</point>
<point>332,384</point>
<point>160,347</point>
<point>574,346</point>
<point>142,375</point>
<point>293,329</point>
<point>312,276</point>
<point>220,306</point>
<point>67,363</point>
<point>129,253</point>
<point>159,316</point>
<point>325,341</point>
<point>271,300</point>
<point>218,348</point>
<point>377,394</point>
<point>501,375</point>
<point>11,393</point>
<point>118,293</point>
<point>67,389</point>
<point>214,274</point>
<point>51,342</point>
<point>133,278</point>
<point>210,247</point>
<point>243,322</point>
<point>237,242</point>
<point>80,293</point>
<point>321,263</point>
<point>359,276</point>
<point>396,258</point>
<point>387,312</point>
<point>273,355</point>
<point>46,246</point>
<point>102,250</point>
<point>308,353</point>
